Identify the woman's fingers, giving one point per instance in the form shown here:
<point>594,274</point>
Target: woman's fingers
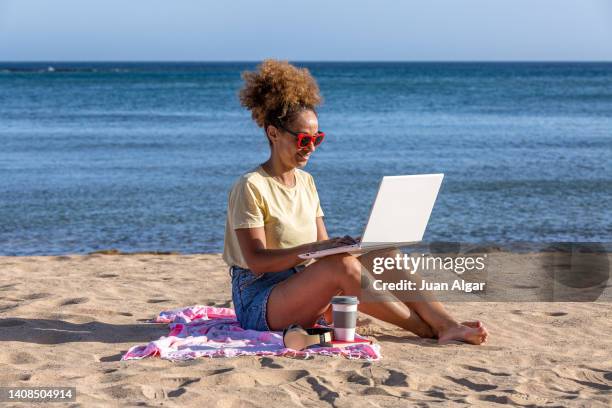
<point>333,243</point>
<point>349,240</point>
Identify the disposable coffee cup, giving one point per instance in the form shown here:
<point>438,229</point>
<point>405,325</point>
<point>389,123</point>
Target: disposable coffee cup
<point>344,309</point>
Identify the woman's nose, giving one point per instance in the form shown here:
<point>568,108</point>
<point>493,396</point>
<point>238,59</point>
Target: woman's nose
<point>311,147</point>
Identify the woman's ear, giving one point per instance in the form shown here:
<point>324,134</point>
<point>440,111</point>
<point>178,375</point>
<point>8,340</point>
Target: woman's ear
<point>272,133</point>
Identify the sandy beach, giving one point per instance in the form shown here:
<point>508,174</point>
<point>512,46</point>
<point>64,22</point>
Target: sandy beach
<point>67,320</point>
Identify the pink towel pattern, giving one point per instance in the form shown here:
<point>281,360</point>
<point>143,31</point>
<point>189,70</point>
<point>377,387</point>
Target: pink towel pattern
<point>206,331</point>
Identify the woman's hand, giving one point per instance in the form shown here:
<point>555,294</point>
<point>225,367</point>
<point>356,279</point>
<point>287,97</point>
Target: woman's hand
<point>330,243</point>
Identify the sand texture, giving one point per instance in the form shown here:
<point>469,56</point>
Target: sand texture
<point>66,321</point>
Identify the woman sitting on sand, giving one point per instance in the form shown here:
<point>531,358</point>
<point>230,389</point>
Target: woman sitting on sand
<point>274,215</point>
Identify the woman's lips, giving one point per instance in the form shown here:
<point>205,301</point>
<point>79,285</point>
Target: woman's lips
<point>303,156</point>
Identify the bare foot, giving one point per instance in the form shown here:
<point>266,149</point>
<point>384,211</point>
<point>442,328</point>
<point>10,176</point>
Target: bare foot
<point>419,327</point>
<point>469,332</point>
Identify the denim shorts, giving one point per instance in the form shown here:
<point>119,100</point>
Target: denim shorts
<point>250,295</point>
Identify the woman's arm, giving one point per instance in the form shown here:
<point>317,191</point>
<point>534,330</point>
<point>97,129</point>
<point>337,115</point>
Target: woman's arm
<point>260,260</point>
<point>321,230</point>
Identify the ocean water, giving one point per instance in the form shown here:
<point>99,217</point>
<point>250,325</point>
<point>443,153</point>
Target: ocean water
<point>140,157</point>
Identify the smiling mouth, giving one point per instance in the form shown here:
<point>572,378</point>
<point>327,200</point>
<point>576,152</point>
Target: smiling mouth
<point>304,155</point>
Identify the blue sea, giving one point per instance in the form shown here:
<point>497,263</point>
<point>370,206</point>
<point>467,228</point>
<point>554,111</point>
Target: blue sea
<point>141,156</point>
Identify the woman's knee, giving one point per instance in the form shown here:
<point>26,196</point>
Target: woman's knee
<point>346,266</point>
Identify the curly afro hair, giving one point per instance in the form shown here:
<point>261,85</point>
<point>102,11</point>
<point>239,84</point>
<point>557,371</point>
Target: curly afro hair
<point>277,91</point>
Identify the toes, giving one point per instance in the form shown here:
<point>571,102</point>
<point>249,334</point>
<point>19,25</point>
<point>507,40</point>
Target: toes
<point>478,334</point>
<point>472,332</point>
<point>480,330</point>
<point>475,324</point>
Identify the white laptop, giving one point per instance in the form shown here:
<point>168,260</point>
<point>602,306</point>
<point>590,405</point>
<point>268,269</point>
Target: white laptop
<point>398,216</point>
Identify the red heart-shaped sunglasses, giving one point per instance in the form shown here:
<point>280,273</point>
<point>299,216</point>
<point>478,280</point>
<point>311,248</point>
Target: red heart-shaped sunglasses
<point>305,139</point>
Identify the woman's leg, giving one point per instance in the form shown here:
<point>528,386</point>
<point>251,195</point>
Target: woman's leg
<point>427,307</point>
<point>305,296</point>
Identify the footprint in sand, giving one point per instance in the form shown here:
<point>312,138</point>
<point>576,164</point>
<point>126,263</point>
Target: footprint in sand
<point>376,391</point>
<point>553,314</point>
<point>436,392</point>
<point>12,299</point>
<point>379,376</point>
<point>114,357</point>
<point>34,296</point>
<point>219,371</point>
<point>594,385</point>
<point>74,301</point>
<point>12,376</point>
<point>485,370</point>
<point>324,393</point>
<point>283,377</point>
<point>5,308</point>
<point>23,358</point>
<point>154,393</point>
<point>244,378</point>
<point>356,378</point>
<point>471,385</point>
<point>497,399</point>
<point>180,382</point>
<point>250,377</point>
<point>113,377</point>
<point>176,393</point>
<point>269,363</point>
<point>396,379</point>
<point>123,391</point>
<point>158,300</point>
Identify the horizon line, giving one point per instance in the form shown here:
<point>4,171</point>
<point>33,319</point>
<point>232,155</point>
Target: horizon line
<point>305,61</point>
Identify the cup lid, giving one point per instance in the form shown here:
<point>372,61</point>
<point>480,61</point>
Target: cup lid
<point>345,300</point>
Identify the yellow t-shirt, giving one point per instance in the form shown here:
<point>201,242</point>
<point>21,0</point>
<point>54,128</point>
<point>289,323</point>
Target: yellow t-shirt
<point>288,214</point>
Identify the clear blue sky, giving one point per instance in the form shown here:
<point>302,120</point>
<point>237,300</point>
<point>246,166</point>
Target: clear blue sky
<point>337,30</point>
